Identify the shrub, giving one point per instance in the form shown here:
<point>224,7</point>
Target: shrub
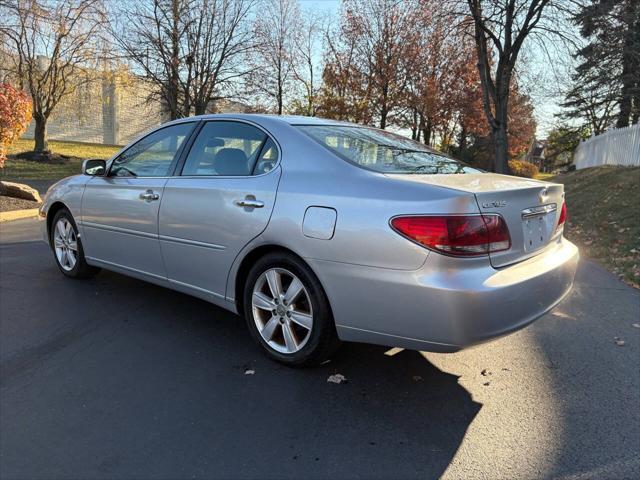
<point>15,115</point>
<point>520,168</point>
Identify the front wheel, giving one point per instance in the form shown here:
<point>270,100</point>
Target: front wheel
<point>287,311</point>
<point>67,247</point>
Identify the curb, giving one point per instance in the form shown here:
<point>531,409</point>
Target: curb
<point>17,214</point>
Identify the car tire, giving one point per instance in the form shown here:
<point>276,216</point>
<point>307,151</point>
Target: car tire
<point>293,329</point>
<point>67,248</point>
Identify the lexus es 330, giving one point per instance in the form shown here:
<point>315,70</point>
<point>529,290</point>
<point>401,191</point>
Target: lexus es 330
<point>318,231</point>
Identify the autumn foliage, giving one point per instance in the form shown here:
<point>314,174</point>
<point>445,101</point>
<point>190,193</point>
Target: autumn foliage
<point>521,168</point>
<point>401,62</point>
<point>15,115</point>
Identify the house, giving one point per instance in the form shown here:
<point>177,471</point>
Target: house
<point>536,153</point>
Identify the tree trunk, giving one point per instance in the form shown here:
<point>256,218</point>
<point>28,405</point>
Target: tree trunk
<point>462,144</point>
<point>500,144</point>
<point>280,94</point>
<point>501,150</point>
<point>175,62</point>
<point>499,134</point>
<point>40,134</point>
<point>200,108</point>
<point>426,130</point>
<point>420,127</point>
<point>414,125</point>
<point>311,101</point>
<point>625,100</point>
<point>384,107</point>
<point>383,116</point>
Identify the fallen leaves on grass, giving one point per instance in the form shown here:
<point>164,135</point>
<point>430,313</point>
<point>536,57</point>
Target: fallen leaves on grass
<point>606,233</point>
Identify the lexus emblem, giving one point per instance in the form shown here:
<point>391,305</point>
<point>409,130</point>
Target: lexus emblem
<point>496,204</point>
<point>543,195</point>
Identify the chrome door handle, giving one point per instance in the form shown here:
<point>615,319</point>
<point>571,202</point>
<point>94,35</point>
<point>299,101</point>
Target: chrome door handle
<point>149,196</point>
<point>251,203</point>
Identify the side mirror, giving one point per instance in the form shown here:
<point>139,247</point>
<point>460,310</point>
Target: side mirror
<point>94,167</point>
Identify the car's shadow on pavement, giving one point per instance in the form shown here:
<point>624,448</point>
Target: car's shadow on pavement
<point>118,378</point>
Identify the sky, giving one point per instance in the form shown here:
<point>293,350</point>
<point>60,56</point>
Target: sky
<point>543,73</point>
<point>332,6</point>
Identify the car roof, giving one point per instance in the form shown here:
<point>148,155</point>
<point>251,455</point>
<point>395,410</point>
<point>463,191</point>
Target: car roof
<point>289,119</point>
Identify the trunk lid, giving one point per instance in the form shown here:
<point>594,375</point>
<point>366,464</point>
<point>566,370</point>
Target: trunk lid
<point>531,208</point>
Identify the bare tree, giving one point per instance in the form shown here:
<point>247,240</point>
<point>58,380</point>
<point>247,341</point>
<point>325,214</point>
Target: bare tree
<point>593,108</point>
<point>307,42</point>
<point>51,50</point>
<point>191,50</point>
<point>218,37</point>
<point>500,29</point>
<point>277,28</point>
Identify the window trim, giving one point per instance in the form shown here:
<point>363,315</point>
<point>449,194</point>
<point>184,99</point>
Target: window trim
<point>182,161</point>
<point>176,157</point>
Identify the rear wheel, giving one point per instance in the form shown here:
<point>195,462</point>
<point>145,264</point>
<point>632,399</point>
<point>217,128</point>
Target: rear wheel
<point>67,247</point>
<point>287,311</point>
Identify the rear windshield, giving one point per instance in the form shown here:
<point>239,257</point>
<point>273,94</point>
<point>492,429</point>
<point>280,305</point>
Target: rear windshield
<point>383,151</point>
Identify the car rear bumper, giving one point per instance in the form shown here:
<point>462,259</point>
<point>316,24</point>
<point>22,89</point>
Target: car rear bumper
<point>446,305</point>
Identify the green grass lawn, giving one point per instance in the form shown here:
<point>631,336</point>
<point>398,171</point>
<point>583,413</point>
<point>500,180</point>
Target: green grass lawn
<point>604,217</point>
<point>16,169</point>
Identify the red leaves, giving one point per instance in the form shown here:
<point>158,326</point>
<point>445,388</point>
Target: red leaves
<point>15,115</point>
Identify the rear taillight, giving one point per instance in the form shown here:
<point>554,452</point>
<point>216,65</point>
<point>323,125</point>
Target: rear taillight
<point>460,235</point>
<point>563,217</point>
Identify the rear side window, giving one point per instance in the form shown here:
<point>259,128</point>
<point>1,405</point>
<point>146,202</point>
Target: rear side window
<point>267,159</point>
<point>225,148</point>
<point>383,151</point>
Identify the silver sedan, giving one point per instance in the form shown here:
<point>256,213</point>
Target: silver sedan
<point>318,231</point>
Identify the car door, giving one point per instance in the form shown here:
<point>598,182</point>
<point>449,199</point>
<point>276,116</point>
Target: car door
<point>222,198</point>
<point>120,210</point>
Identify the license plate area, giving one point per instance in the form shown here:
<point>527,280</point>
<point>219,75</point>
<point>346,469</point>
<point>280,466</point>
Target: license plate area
<point>537,226</point>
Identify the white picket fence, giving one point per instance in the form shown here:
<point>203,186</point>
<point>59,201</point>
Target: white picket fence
<point>619,146</point>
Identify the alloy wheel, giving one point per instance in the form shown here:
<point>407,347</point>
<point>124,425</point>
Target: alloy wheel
<point>282,310</point>
<point>65,244</point>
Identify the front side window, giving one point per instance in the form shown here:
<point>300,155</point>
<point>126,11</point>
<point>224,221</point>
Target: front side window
<point>153,155</point>
<point>383,151</point>
<point>228,149</point>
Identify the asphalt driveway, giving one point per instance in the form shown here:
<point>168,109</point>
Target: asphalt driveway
<point>116,378</point>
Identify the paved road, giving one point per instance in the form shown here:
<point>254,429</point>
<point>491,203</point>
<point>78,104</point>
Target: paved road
<point>116,378</point>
